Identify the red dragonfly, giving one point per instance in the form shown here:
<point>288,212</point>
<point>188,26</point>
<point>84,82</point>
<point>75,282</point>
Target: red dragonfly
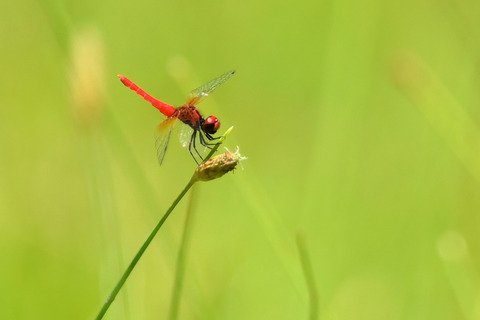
<point>203,128</point>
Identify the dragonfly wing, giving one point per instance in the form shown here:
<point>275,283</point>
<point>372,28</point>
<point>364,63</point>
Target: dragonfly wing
<point>162,136</point>
<point>185,135</point>
<point>198,95</point>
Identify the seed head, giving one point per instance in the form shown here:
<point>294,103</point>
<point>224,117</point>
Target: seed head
<point>217,166</point>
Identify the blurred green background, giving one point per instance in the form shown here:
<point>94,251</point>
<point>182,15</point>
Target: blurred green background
<point>359,121</point>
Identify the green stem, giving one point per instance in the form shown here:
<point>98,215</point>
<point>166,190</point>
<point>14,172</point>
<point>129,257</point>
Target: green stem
<point>140,253</point>
<point>181,260</point>
<point>308,272</point>
<point>145,245</point>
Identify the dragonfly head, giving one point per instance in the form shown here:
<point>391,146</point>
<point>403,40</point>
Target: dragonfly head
<point>211,125</point>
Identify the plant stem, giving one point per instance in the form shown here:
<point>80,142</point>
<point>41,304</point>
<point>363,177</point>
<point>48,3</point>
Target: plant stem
<point>308,272</point>
<point>140,253</point>
<point>181,260</point>
<point>145,245</point>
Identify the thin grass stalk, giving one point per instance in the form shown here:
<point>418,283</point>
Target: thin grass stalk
<point>181,260</point>
<point>140,252</point>
<point>308,273</point>
<point>147,242</point>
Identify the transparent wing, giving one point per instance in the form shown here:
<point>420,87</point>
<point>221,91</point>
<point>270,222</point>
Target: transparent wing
<point>162,136</point>
<point>185,135</point>
<point>198,95</point>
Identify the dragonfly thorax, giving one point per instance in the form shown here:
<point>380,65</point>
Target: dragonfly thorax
<point>189,115</point>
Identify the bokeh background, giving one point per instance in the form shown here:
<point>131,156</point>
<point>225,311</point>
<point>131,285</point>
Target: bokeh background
<point>359,121</point>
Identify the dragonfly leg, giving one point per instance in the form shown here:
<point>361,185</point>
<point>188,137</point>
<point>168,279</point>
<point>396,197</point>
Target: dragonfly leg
<point>209,137</point>
<point>193,145</point>
<point>204,142</point>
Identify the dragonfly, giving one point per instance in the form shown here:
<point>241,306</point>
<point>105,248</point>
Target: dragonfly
<point>195,126</point>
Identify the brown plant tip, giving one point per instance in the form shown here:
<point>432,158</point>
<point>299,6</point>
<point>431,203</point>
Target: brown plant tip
<point>217,166</point>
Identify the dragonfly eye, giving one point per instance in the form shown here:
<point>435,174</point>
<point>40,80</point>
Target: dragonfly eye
<point>211,125</point>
